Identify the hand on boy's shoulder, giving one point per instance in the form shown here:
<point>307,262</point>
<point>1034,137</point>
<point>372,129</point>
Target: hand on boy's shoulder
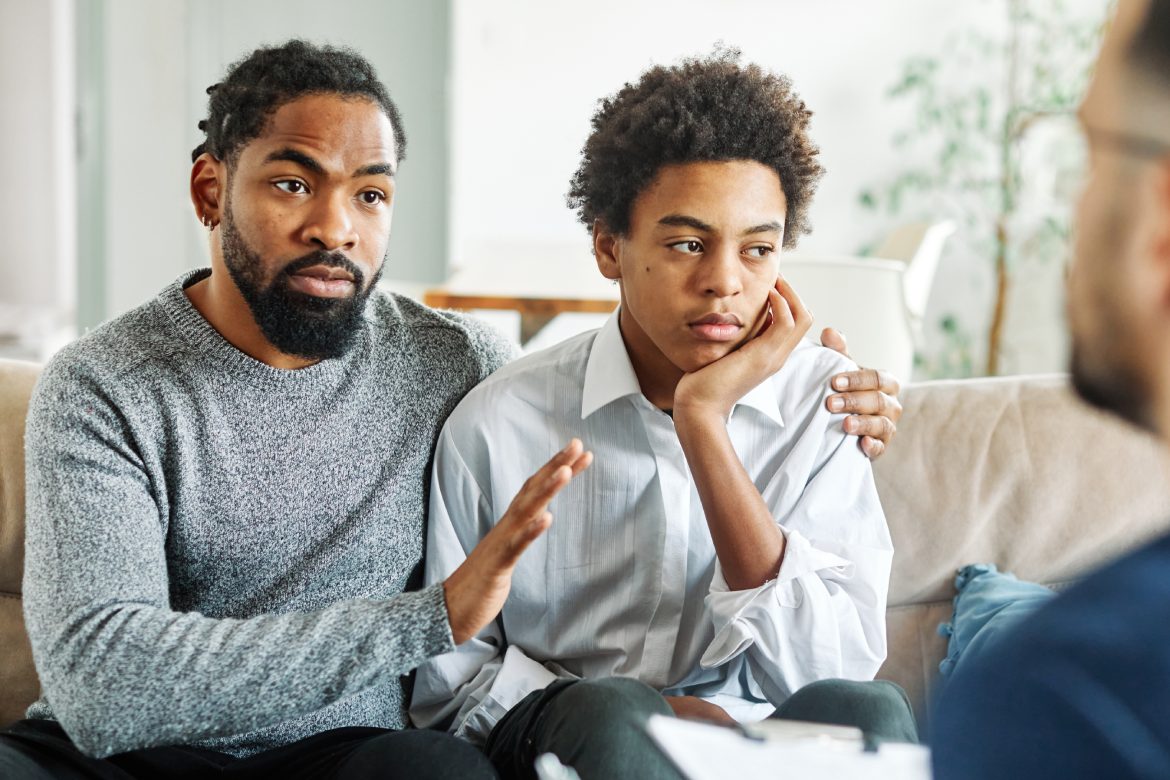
<point>869,396</point>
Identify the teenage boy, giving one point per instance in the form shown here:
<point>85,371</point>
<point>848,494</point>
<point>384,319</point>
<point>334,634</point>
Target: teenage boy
<point>726,555</point>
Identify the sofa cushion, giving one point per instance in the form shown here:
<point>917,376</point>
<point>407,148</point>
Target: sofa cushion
<point>988,604</point>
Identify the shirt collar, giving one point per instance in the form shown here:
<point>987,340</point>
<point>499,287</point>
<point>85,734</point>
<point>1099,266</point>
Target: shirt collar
<point>609,375</point>
<point>762,398</point>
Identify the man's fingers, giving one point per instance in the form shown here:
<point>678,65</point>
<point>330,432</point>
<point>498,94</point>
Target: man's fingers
<point>565,457</point>
<point>834,340</point>
<point>872,448</point>
<point>526,535</point>
<point>867,379</point>
<point>549,480</point>
<point>581,463</point>
<point>534,498</point>
<point>861,402</point>
<point>870,426</point>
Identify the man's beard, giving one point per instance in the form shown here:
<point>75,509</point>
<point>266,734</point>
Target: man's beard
<point>1105,361</point>
<point>307,326</point>
<point>1113,385</point>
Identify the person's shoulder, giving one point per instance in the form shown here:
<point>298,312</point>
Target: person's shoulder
<point>811,365</point>
<point>1099,646</point>
<point>104,356</point>
<point>527,379</point>
<point>802,383</point>
<point>1115,601</point>
<point>455,335</point>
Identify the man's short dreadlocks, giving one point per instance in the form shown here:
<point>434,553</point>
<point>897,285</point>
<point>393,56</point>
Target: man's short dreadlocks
<point>711,109</point>
<point>268,78</point>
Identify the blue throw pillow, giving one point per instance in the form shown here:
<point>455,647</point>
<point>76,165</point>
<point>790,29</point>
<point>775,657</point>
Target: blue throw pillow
<point>988,604</point>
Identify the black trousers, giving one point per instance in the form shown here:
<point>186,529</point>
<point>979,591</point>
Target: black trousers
<point>598,726</point>
<point>36,749</point>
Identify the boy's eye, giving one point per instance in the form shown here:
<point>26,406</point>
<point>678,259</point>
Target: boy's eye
<point>372,197</point>
<point>759,251</point>
<point>292,187</point>
<point>689,247</point>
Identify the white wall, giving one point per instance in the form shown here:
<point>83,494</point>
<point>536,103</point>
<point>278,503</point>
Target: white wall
<point>159,57</point>
<point>37,140</point>
<point>528,74</point>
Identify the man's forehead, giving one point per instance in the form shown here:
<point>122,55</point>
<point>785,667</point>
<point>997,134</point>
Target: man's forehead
<point>345,129</point>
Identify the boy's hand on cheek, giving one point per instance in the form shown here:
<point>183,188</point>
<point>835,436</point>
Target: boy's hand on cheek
<point>713,390</point>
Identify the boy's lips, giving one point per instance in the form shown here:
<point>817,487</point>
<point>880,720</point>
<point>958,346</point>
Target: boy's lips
<point>717,327</point>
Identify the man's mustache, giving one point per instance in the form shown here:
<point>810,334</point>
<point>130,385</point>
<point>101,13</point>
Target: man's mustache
<point>328,260</point>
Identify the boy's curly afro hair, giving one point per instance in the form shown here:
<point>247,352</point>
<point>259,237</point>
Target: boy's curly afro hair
<point>709,109</point>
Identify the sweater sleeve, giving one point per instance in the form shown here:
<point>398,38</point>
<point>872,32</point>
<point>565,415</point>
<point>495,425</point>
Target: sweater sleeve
<point>120,669</point>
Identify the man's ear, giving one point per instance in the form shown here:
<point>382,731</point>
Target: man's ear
<point>606,250</point>
<point>208,186</point>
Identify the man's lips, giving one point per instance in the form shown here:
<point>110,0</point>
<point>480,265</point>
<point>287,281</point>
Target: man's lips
<point>322,281</point>
<point>717,327</point>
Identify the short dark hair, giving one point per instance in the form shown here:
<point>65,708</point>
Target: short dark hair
<point>240,106</point>
<point>703,109</point>
<point>1150,48</point>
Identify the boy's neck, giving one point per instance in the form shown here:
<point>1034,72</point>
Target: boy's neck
<point>657,376</point>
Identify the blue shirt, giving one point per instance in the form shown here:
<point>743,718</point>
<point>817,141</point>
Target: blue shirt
<point>1080,690</point>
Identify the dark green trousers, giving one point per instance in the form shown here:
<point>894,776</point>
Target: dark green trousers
<point>597,726</point>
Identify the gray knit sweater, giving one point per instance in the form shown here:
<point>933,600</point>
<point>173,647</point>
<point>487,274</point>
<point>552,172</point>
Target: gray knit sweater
<point>218,551</point>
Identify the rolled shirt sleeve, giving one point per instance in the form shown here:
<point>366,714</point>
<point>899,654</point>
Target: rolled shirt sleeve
<point>823,616</point>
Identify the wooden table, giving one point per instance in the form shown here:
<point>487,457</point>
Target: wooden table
<point>535,312</point>
<point>539,282</point>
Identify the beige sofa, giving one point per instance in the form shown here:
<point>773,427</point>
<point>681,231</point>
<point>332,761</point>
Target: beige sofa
<point>1011,471</point>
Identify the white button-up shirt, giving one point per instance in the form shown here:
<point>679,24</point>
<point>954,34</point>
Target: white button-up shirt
<point>626,581</point>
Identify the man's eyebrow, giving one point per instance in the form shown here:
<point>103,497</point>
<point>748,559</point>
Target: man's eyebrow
<point>376,169</point>
<point>682,220</point>
<point>766,227</point>
<point>300,158</point>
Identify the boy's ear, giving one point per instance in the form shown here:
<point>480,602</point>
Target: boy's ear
<point>208,179</point>
<point>606,250</point>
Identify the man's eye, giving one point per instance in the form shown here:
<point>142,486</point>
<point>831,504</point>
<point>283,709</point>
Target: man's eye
<point>688,247</point>
<point>759,251</point>
<point>372,197</point>
<point>292,187</point>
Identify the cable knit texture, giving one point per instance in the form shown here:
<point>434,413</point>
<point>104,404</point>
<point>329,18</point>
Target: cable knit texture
<point>223,554</point>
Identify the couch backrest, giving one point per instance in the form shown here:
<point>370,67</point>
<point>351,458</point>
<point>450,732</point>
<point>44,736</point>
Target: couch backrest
<point>1012,471</point>
<point>18,681</point>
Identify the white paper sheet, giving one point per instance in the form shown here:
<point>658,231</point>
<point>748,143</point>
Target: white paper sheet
<point>705,752</point>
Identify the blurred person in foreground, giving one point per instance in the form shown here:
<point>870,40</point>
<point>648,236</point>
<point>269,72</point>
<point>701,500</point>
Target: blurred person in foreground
<point>1083,688</point>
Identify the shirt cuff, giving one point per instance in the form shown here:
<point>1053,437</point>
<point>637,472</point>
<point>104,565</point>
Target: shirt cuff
<point>732,611</point>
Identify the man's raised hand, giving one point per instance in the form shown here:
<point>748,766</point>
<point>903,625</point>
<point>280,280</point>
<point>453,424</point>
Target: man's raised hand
<point>476,591</point>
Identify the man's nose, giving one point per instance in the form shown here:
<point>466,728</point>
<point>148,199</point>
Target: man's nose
<point>330,225</point>
<point>720,273</point>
